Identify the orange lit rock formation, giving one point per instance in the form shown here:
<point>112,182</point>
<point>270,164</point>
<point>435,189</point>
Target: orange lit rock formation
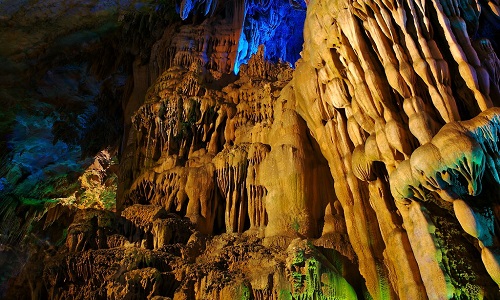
<point>370,170</point>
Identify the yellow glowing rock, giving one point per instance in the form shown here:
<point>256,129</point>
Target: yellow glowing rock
<point>465,216</point>
<point>491,260</point>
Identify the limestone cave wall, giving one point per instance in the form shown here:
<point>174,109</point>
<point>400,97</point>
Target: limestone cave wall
<point>256,150</point>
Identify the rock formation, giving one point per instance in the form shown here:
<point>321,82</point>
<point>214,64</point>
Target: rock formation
<point>385,83</point>
<point>369,170</point>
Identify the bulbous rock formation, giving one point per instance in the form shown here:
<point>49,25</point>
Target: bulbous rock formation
<point>376,81</point>
<point>206,153</point>
<point>370,170</point>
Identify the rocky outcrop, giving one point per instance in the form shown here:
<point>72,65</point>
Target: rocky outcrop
<point>149,253</point>
<point>211,155</point>
<point>376,81</point>
<point>208,159</point>
<point>368,171</point>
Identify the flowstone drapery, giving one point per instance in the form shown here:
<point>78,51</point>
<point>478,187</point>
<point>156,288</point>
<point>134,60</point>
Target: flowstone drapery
<point>376,83</point>
<point>370,170</point>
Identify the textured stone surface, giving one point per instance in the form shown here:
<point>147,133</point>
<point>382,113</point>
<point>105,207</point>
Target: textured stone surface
<point>370,170</point>
<point>383,79</point>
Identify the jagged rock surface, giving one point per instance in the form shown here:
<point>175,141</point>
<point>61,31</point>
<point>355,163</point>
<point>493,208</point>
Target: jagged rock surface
<point>206,153</point>
<point>370,171</point>
<point>376,81</point>
<point>128,257</point>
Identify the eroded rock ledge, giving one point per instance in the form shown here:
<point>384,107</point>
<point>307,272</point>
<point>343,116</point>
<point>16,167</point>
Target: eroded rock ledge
<point>150,254</point>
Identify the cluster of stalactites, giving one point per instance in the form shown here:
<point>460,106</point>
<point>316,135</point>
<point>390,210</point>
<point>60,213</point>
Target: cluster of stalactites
<point>192,189</point>
<point>454,162</point>
<point>195,154</point>
<point>378,80</point>
<point>380,59</point>
<point>177,118</point>
<point>215,50</point>
<point>259,67</point>
<point>188,6</point>
<point>181,115</point>
<point>454,165</point>
<point>236,173</point>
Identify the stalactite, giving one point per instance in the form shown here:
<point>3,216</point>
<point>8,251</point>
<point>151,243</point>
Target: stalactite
<point>231,169</point>
<point>343,67</point>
